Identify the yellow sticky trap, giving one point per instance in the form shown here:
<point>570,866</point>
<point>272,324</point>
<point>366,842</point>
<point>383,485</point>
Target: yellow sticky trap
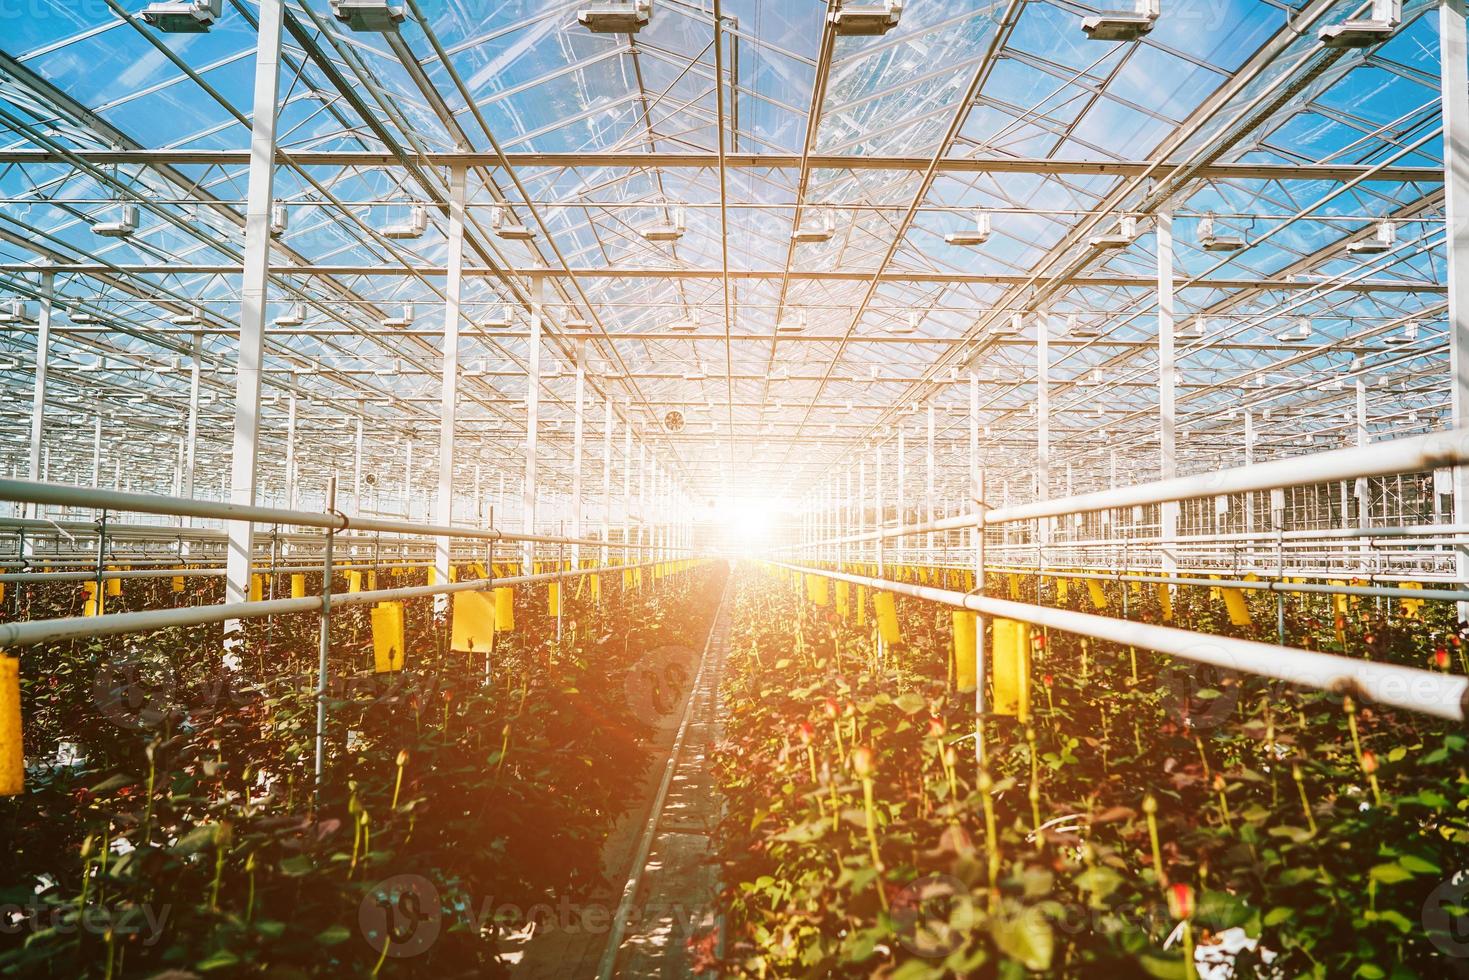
<point>637,576</point>
<point>1137,588</point>
<point>1409,607</point>
<point>371,581</point>
<point>387,636</point>
<point>1014,581</point>
<point>596,582</point>
<point>473,623</point>
<point>1338,602</point>
<point>861,605</point>
<point>177,585</point>
<point>257,588</point>
<point>433,575</point>
<point>968,581</point>
<point>1063,589</point>
<point>886,608</point>
<point>298,586</point>
<point>12,751</point>
<point>1234,603</point>
<point>844,604</point>
<point>1165,602</point>
<point>114,586</point>
<point>817,590</point>
<point>1099,598</point>
<point>553,599</point>
<point>354,582</point>
<point>505,609</point>
<point>1010,662</point>
<point>964,650</point>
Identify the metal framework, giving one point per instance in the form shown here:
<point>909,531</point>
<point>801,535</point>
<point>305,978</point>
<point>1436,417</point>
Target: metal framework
<point>738,255</point>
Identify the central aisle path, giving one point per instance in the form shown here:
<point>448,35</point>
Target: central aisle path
<point>670,899</point>
<point>659,857</point>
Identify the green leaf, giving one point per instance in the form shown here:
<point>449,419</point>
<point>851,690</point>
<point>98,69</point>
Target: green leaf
<point>1370,972</point>
<point>910,703</point>
<point>1390,874</point>
<point>216,961</point>
<point>1101,881</point>
<point>297,866</point>
<point>334,934</point>
<point>1163,969</point>
<point>1026,938</point>
<point>1418,865</point>
<point>1278,915</point>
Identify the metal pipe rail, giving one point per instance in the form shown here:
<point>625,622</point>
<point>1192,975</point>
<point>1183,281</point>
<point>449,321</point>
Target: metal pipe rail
<point>30,633</point>
<point>1439,695</point>
<point>1415,453</point>
<point>33,492</point>
<point>1260,585</point>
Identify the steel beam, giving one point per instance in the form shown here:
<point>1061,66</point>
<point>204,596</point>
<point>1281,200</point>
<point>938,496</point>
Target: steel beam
<point>253,298</point>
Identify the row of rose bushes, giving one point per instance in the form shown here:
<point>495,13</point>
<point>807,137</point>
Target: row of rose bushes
<point>1151,817</point>
<point>172,819</point>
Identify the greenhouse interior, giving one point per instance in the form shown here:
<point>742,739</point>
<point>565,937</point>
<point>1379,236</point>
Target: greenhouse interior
<point>734,488</point>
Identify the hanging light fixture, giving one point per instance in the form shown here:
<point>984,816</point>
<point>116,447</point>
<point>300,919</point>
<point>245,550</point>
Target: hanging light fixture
<point>368,16</point>
<point>183,16</point>
<point>866,19</point>
<point>978,236</point>
<point>1211,241</point>
<point>628,17</point>
<point>1365,32</point>
<point>1122,25</point>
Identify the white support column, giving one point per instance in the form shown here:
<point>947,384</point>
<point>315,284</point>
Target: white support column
<point>902,480</point>
<point>1043,407</point>
<point>627,554</point>
<point>1249,461</point>
<point>97,451</point>
<point>1167,389</point>
<point>449,381</point>
<point>290,471</point>
<point>861,500</point>
<point>1454,71</point>
<point>578,434</point>
<point>532,423</point>
<point>192,450</point>
<point>608,423</point>
<point>357,464</point>
<point>38,392</point>
<point>929,486</point>
<point>974,468</point>
<point>253,294</point>
<point>408,478</point>
<point>1364,510</point>
<point>643,464</point>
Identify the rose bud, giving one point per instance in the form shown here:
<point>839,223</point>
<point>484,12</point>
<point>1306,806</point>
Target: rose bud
<point>936,726</point>
<point>805,732</point>
<point>831,708</point>
<point>1038,641</point>
<point>1441,658</point>
<point>1369,762</point>
<point>1181,900</point>
<point>1048,680</point>
<point>863,762</point>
